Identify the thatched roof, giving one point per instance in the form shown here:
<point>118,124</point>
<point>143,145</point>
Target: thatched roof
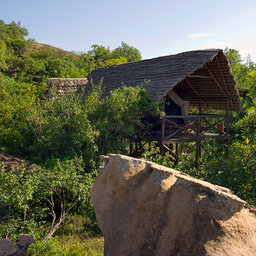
<point>63,85</point>
<point>202,75</point>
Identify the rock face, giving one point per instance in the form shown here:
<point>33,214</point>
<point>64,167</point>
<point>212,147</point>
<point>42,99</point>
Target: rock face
<point>7,248</point>
<point>144,209</point>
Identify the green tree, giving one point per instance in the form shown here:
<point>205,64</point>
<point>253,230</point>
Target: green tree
<point>240,69</point>
<point>98,55</point>
<point>118,116</point>
<point>126,51</point>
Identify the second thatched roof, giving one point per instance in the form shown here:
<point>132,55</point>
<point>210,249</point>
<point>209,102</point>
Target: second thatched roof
<point>64,85</point>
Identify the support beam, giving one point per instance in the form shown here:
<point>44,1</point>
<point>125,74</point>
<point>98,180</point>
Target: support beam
<point>197,76</point>
<point>195,91</point>
<point>163,129</point>
<point>227,128</point>
<point>215,80</point>
<point>190,149</point>
<point>225,83</point>
<point>171,153</point>
<point>177,149</point>
<point>192,87</point>
<point>162,151</point>
<point>200,107</point>
<point>197,154</point>
<point>198,142</point>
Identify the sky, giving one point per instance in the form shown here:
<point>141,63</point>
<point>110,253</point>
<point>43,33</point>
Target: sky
<point>155,27</point>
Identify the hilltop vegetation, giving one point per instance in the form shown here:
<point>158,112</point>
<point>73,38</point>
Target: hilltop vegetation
<point>28,61</point>
<point>65,135</point>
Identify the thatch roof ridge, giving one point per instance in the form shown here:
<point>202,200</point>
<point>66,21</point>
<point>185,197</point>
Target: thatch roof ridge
<point>161,57</point>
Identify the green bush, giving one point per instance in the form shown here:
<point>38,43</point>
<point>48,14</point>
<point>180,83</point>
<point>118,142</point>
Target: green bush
<point>118,117</point>
<point>36,195</point>
<point>16,100</point>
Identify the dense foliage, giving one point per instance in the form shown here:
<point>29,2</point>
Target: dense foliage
<point>29,195</point>
<point>64,135</point>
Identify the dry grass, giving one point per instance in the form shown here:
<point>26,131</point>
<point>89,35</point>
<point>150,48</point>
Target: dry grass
<point>34,46</point>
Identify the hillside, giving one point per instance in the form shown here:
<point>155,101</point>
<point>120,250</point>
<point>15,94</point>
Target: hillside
<point>35,45</point>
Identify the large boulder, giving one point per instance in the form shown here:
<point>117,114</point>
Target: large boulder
<point>145,209</point>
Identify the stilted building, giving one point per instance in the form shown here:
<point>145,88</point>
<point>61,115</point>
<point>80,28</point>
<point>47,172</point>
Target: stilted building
<point>182,82</point>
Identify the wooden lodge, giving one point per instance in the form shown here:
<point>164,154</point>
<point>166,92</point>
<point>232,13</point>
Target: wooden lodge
<point>190,81</point>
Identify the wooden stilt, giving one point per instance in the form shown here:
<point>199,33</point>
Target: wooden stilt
<point>227,129</point>
<point>162,151</point>
<point>200,150</point>
<point>198,132</point>
<point>121,147</point>
<point>197,154</point>
<point>177,149</point>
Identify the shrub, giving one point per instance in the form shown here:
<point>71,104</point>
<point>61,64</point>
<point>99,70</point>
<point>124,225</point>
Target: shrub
<point>32,195</point>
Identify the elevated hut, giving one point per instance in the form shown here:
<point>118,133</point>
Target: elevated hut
<point>190,80</point>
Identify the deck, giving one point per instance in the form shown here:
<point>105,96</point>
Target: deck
<point>174,129</point>
<point>190,128</point>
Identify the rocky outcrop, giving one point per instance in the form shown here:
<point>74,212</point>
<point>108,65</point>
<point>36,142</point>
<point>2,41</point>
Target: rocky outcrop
<point>145,209</point>
<point>7,248</point>
<point>11,162</point>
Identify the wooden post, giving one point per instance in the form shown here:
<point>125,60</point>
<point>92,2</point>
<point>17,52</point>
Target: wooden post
<point>177,149</point>
<point>227,128</point>
<point>130,148</point>
<point>122,143</point>
<point>198,141</point>
<point>162,137</point>
<point>200,129</point>
<point>197,153</point>
<point>200,107</point>
<point>198,133</point>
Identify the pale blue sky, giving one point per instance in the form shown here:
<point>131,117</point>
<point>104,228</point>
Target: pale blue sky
<point>156,28</point>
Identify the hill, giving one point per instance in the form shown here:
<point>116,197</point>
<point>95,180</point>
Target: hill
<point>35,45</point>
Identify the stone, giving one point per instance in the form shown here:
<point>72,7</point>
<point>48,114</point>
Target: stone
<point>7,248</point>
<point>144,209</point>
<point>25,240</point>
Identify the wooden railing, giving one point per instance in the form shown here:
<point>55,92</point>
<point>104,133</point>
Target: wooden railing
<point>178,128</point>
